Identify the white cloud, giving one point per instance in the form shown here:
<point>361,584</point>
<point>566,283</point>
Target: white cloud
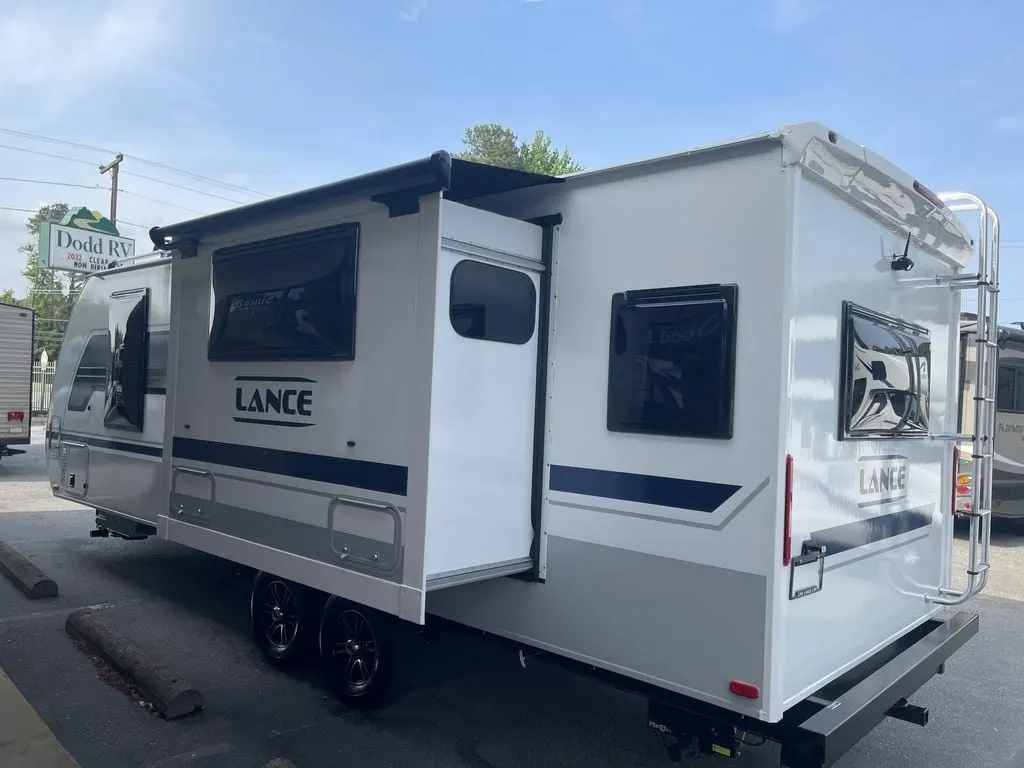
<point>53,55</point>
<point>412,13</point>
<point>1007,124</point>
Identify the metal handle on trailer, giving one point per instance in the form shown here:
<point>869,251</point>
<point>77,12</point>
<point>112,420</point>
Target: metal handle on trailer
<point>373,561</point>
<point>987,284</point>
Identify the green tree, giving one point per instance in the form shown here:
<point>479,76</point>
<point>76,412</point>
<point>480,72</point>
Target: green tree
<point>496,144</point>
<point>8,297</point>
<point>51,293</point>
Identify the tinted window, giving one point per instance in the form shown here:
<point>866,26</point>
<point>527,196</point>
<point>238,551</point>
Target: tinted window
<point>126,385</point>
<point>672,361</point>
<point>156,367</point>
<point>492,303</point>
<point>1011,389</point>
<point>287,298</point>
<point>1005,400</point>
<point>91,375</point>
<point>886,370</point>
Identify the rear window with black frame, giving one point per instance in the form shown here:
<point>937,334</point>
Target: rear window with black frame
<point>672,362</point>
<point>287,298</point>
<point>886,376</point>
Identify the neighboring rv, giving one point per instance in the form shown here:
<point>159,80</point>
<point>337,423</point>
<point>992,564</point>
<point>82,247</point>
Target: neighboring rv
<point>107,462</point>
<point>678,423</point>
<point>1008,466</point>
<point>17,343</point>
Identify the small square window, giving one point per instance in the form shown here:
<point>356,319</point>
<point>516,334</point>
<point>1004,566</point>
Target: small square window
<point>492,303</point>
<point>672,361</point>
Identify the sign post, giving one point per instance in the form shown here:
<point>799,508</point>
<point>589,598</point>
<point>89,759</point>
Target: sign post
<point>84,241</point>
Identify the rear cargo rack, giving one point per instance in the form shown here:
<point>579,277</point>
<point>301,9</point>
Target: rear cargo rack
<point>986,281</point>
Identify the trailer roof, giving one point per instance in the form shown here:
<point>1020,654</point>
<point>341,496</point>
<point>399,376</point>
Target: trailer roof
<point>1007,333</point>
<point>398,187</point>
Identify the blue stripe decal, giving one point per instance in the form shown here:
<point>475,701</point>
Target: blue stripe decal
<point>114,445</point>
<point>646,489</point>
<point>860,533</point>
<point>353,473</point>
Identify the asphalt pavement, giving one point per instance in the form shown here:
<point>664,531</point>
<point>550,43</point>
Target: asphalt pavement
<point>463,702</point>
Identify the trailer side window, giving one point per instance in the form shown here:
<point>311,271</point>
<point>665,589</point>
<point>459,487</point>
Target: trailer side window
<point>126,386</point>
<point>492,303</point>
<point>672,361</point>
<point>156,365</point>
<point>886,368</point>
<point>1010,397</point>
<point>91,375</point>
<point>286,298</point>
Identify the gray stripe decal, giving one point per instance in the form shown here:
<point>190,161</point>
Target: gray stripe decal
<point>661,518</point>
<point>292,536</point>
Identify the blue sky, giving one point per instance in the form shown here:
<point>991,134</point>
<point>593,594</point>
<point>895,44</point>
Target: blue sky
<point>277,96</point>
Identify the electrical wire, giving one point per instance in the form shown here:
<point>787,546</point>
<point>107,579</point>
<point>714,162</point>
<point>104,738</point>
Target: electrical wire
<point>51,183</point>
<point>180,186</point>
<point>136,158</point>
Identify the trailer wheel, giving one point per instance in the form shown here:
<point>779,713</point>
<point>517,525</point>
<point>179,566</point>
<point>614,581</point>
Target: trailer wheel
<point>357,651</point>
<point>283,618</point>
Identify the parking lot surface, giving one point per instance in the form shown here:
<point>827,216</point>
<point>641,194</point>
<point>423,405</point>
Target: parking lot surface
<point>463,701</point>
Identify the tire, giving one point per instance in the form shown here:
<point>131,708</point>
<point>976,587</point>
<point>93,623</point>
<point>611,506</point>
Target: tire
<point>283,618</point>
<point>357,653</point>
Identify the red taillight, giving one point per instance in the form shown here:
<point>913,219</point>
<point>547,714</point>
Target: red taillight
<point>746,690</point>
<point>15,415</point>
<point>928,195</point>
<point>962,490</point>
<point>787,520</point>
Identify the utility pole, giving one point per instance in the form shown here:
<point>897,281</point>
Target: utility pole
<point>112,166</point>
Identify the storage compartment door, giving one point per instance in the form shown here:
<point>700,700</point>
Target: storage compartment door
<point>74,468</point>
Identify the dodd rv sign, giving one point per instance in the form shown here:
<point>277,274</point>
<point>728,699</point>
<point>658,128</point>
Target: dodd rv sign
<point>84,241</point>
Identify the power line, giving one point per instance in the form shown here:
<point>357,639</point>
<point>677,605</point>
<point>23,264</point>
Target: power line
<point>197,177</point>
<point>179,186</point>
<point>51,183</point>
<point>48,154</point>
<point>136,158</point>
<point>124,191</point>
<point>37,137</point>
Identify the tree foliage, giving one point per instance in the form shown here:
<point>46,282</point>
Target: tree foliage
<point>51,293</point>
<point>496,144</point>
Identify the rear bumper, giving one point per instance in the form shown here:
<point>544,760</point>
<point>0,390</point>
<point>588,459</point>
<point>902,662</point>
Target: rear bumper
<point>821,729</point>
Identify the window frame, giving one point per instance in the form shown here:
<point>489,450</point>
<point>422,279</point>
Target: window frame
<point>725,294</point>
<point>128,414</point>
<point>454,308</point>
<point>346,237</point>
<point>851,310</point>
<point>71,401</point>
<point>1017,368</point>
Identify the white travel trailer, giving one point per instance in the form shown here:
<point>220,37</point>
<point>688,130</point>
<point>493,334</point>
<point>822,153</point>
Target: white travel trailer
<point>1008,444</point>
<point>687,423</point>
<point>17,342</point>
<point>105,434</point>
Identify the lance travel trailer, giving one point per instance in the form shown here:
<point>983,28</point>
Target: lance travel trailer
<point>17,342</point>
<point>686,423</point>
<point>1008,436</point>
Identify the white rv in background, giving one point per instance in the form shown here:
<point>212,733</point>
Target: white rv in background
<point>678,423</point>
<point>1008,459</point>
<point>17,344</point>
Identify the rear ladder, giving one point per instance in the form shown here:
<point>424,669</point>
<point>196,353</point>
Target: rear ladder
<point>986,282</point>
